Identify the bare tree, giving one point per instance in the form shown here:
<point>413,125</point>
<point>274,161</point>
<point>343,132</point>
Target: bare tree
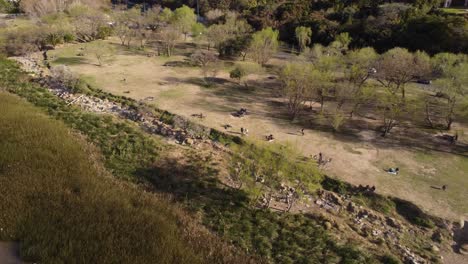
<point>169,36</point>
<point>103,52</point>
<point>398,66</point>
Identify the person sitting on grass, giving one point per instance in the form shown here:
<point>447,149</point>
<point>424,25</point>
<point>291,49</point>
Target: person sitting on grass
<point>393,171</point>
<point>270,138</point>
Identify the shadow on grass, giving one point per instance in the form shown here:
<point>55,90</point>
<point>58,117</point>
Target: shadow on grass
<point>70,60</point>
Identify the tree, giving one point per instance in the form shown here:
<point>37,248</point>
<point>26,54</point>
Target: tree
<point>207,61</point>
<point>391,108</point>
<point>264,45</point>
<point>130,24</point>
<point>398,66</point>
<point>103,52</point>
<point>358,71</point>
<point>231,38</point>
<point>303,36</point>
<point>89,24</point>
<point>237,73</point>
<point>297,86</point>
<point>453,88</point>
<point>242,71</point>
<point>40,8</point>
<point>340,45</point>
<point>169,37</point>
<point>184,18</point>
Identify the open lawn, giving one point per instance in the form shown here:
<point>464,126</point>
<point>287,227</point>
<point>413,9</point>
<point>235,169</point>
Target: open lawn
<point>358,156</point>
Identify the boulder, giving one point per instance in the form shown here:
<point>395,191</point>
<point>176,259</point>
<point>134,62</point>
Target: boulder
<point>327,225</point>
<point>189,141</point>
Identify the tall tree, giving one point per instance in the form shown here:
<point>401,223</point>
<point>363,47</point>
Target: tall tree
<point>184,18</point>
<point>398,66</point>
<point>264,45</point>
<point>452,87</point>
<point>359,70</point>
<point>303,36</point>
<point>297,86</point>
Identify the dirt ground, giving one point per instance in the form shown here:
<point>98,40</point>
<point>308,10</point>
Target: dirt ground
<point>359,158</point>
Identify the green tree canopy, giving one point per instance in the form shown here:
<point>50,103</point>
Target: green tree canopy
<point>303,36</point>
<point>264,45</point>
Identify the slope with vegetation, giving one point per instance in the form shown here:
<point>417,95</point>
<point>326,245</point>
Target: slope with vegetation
<point>232,189</point>
<point>60,204</point>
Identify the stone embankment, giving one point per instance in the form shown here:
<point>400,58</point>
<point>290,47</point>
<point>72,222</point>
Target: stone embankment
<point>146,120</point>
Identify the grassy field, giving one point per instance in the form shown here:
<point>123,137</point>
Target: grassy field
<point>358,158</point>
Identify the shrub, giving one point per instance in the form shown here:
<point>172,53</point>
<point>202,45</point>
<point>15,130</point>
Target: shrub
<point>390,259</point>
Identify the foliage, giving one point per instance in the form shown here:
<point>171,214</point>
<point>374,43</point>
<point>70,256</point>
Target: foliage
<point>103,52</point>
<point>183,19</point>
<point>298,80</point>
<point>169,37</point>
<point>241,71</point>
<point>264,44</point>
<point>303,36</point>
<point>230,38</point>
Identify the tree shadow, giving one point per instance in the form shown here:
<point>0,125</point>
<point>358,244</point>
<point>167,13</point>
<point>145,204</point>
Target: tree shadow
<point>194,182</point>
<point>70,60</point>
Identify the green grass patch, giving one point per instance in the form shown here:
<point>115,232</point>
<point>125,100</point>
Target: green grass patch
<point>173,93</point>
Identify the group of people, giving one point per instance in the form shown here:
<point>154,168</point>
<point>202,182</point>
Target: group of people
<point>367,188</point>
<point>242,112</point>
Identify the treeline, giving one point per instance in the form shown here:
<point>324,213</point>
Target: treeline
<point>413,24</point>
<point>76,22</point>
<point>344,81</point>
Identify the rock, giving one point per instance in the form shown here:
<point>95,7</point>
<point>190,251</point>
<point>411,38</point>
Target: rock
<point>392,222</point>
<point>437,236</point>
<point>351,207</point>
<point>189,141</point>
<point>435,249</point>
<point>464,249</point>
<point>327,225</point>
<point>332,197</point>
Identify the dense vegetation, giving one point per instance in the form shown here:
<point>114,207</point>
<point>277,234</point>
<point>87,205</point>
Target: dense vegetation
<point>382,24</point>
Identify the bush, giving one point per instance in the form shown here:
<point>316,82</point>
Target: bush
<point>68,37</point>
<point>63,74</point>
<point>337,186</point>
<point>390,259</point>
<point>237,73</point>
